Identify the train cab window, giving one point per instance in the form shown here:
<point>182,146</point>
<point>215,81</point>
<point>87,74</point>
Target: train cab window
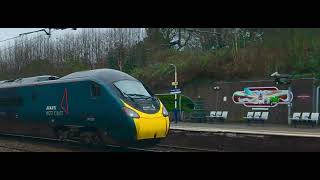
<point>132,88</point>
<point>147,88</point>
<point>95,90</point>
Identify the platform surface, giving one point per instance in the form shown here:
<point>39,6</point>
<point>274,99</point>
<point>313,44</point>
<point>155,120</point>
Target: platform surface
<point>266,129</point>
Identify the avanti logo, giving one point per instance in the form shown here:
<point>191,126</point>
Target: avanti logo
<point>51,108</point>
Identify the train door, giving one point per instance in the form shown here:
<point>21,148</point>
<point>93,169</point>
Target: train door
<point>94,103</point>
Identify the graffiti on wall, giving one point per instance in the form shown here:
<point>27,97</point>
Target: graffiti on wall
<point>262,97</point>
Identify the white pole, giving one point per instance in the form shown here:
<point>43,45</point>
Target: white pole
<point>289,105</point>
<point>175,86</point>
<point>318,94</point>
<point>175,80</point>
<point>180,106</point>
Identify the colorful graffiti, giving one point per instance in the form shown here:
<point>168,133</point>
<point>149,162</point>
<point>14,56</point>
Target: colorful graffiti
<point>262,97</point>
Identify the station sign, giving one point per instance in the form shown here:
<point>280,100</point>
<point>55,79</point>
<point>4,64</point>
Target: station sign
<point>175,91</point>
<point>174,83</point>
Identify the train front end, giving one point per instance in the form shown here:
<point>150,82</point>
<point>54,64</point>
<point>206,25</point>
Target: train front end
<point>149,115</point>
<point>149,126</point>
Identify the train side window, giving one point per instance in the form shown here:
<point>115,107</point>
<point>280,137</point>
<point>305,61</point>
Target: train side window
<point>11,101</point>
<point>95,90</point>
<point>53,77</point>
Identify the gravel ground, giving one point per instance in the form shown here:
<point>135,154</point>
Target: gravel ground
<point>8,144</point>
<point>3,149</point>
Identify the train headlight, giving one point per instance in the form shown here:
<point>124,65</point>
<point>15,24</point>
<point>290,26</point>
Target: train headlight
<point>164,111</point>
<point>131,113</point>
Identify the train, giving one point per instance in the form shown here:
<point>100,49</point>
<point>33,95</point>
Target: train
<point>92,106</point>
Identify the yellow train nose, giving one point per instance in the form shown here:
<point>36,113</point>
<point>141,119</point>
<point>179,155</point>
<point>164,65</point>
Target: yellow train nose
<point>149,128</point>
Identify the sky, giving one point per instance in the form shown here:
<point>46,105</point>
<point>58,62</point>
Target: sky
<point>11,32</point>
<point>6,33</point>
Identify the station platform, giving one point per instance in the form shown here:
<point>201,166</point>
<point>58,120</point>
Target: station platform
<point>256,129</point>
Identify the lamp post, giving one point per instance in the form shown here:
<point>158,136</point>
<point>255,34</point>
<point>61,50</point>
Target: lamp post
<point>175,86</point>
<point>217,88</point>
<point>285,79</point>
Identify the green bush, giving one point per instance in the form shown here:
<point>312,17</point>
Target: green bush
<point>168,100</point>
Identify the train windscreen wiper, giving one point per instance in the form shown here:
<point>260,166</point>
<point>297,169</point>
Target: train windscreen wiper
<point>141,96</point>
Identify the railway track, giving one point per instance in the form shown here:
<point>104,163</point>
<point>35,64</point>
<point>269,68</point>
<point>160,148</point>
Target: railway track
<point>12,149</point>
<point>170,148</point>
<point>57,145</point>
<point>25,142</point>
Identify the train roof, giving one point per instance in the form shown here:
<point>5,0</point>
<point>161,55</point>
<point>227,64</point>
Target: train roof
<point>27,80</point>
<point>106,75</point>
